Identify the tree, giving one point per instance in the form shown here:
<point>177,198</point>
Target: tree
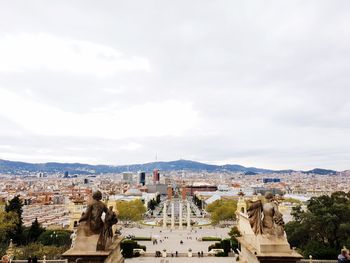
<point>152,204</point>
<point>197,201</point>
<point>39,250</point>
<point>222,210</point>
<point>60,238</point>
<point>324,228</point>
<point>15,205</point>
<point>8,221</point>
<point>131,211</point>
<point>35,231</point>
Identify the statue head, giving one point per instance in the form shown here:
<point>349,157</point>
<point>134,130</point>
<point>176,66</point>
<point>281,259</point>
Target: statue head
<point>268,196</point>
<point>97,195</point>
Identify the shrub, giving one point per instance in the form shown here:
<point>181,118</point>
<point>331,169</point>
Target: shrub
<point>220,254</point>
<point>226,246</point>
<point>211,239</point>
<point>215,246</point>
<point>128,246</point>
<point>142,238</point>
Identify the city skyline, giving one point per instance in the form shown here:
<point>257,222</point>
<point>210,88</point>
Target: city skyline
<point>255,84</point>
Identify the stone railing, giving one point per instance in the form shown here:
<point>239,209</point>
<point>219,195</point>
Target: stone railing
<point>43,261</point>
<point>318,261</point>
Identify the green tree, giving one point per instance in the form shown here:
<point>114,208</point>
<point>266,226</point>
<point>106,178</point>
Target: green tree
<point>39,250</point>
<point>8,222</point>
<point>59,238</point>
<point>222,210</point>
<point>152,204</point>
<point>131,211</point>
<point>35,231</point>
<point>15,205</point>
<point>324,228</point>
<point>234,233</point>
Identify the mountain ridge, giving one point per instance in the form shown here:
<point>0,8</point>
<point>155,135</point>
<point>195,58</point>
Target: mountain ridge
<point>18,167</point>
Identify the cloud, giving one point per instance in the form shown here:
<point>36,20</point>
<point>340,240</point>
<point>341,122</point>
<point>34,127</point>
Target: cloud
<point>148,119</point>
<point>260,84</point>
<point>26,51</point>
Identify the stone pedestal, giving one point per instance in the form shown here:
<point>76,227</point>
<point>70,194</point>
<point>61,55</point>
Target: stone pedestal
<point>263,248</point>
<point>84,250</point>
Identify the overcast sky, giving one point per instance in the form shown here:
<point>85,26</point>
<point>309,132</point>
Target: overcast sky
<point>257,83</point>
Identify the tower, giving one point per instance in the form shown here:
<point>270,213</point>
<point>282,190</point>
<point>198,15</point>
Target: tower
<point>142,178</point>
<point>170,192</point>
<point>156,176</point>
<point>241,204</point>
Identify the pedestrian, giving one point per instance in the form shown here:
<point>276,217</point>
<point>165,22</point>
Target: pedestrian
<point>202,253</point>
<point>199,254</point>
<point>344,256</point>
<point>29,260</point>
<point>176,253</point>
<point>5,259</point>
<point>35,260</point>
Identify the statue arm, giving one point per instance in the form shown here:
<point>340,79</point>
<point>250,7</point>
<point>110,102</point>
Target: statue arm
<point>254,214</point>
<point>278,217</point>
<point>85,216</point>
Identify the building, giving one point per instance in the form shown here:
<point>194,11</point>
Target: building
<point>271,180</point>
<point>157,188</point>
<point>128,178</point>
<point>156,176</point>
<point>142,178</point>
<point>191,189</point>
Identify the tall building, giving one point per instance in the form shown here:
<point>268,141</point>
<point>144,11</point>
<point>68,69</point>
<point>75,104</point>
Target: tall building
<point>127,177</point>
<point>156,176</point>
<point>142,178</point>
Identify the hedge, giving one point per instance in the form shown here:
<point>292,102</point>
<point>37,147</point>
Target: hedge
<point>211,239</point>
<point>142,238</point>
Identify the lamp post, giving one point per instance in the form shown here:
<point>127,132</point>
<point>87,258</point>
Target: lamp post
<point>54,236</point>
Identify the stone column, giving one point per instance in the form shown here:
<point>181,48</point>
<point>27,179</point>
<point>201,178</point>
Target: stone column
<point>188,215</point>
<point>180,215</point>
<point>164,215</point>
<point>172,215</point>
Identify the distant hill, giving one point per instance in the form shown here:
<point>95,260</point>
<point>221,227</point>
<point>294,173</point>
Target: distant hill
<point>320,171</point>
<point>11,167</point>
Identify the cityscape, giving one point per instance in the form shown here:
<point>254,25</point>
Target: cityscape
<point>174,131</point>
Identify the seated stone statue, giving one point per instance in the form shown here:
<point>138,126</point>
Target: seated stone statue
<point>92,224</point>
<point>265,219</point>
<point>93,214</point>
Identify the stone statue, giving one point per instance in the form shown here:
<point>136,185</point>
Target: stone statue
<point>93,214</point>
<point>265,219</point>
<point>92,223</point>
<point>107,233</point>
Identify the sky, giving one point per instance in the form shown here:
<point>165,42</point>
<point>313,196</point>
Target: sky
<point>256,83</point>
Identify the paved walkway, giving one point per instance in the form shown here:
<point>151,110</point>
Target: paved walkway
<point>182,260</point>
<point>170,240</point>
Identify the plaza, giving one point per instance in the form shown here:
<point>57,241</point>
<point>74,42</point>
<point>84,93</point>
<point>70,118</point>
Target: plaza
<point>182,260</point>
<point>171,239</point>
